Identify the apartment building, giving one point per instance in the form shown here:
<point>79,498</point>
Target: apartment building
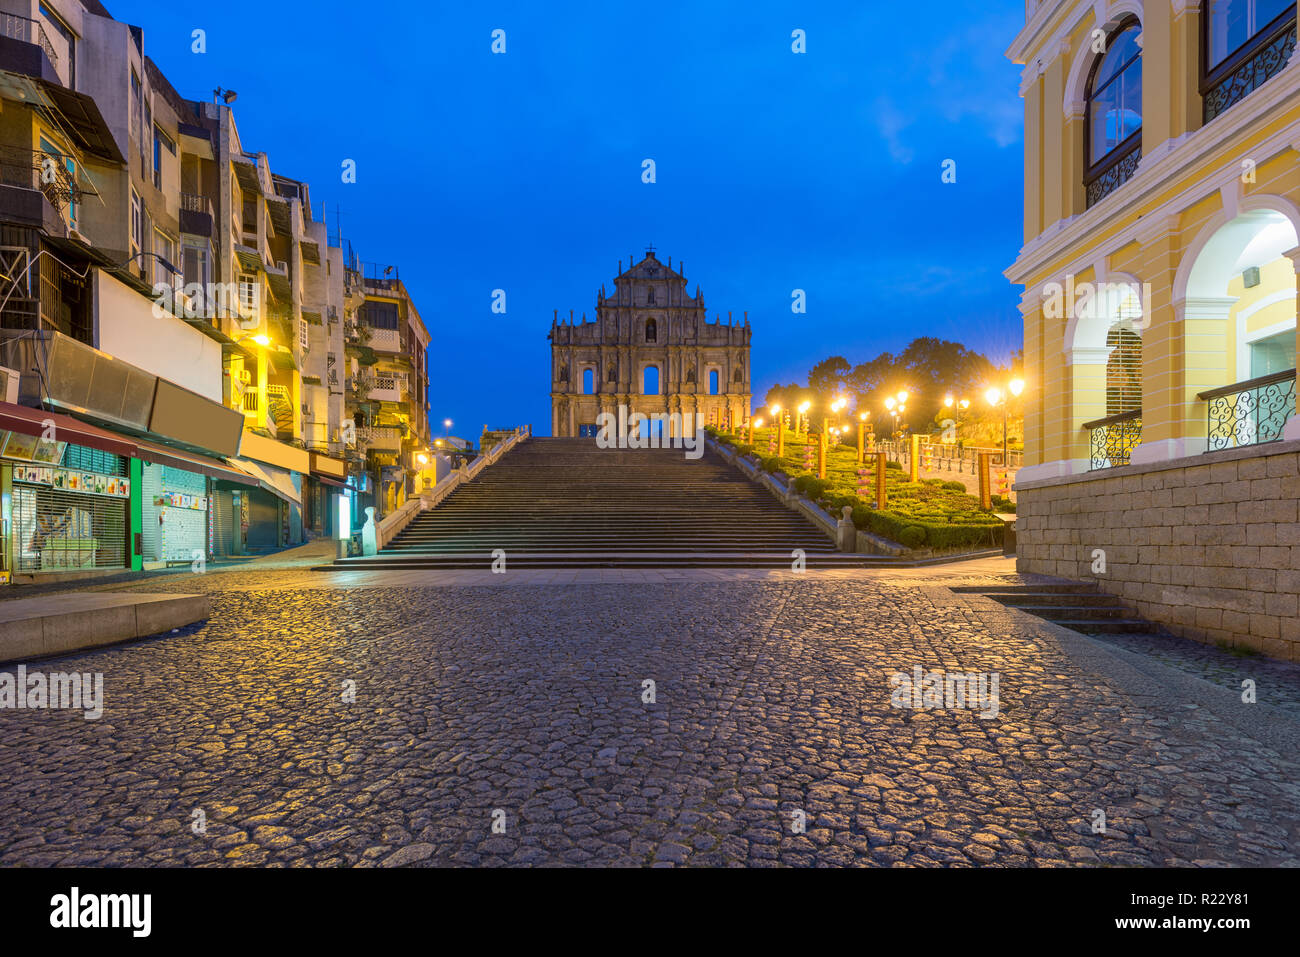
<point>171,317</point>
<point>387,401</point>
<point>1162,204</point>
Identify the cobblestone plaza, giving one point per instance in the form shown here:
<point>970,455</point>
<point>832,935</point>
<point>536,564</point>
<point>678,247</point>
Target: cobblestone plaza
<point>361,719</point>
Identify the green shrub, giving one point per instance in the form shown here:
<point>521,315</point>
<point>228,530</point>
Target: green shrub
<point>912,536</point>
<point>896,466</point>
<point>811,487</point>
<point>953,486</point>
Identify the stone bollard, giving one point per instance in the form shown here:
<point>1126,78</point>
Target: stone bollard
<point>369,534</point>
<point>847,532</point>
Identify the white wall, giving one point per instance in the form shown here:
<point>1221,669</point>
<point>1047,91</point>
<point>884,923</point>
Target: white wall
<point>126,328</point>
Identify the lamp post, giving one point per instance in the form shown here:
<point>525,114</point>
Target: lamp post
<point>996,397</point>
<point>862,428</point>
<point>780,432</point>
<point>835,408</point>
<point>897,405</point>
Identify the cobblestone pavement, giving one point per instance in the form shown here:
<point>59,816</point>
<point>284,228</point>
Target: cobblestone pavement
<point>525,705</point>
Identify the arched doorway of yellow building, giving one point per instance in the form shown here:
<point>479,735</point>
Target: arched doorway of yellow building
<point>1236,296</point>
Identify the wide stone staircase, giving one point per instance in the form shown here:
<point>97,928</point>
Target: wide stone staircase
<point>566,503</point>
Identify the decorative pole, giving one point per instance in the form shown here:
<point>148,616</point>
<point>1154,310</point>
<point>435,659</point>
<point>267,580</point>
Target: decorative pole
<point>914,458</point>
<point>881,497</point>
<point>821,454</point>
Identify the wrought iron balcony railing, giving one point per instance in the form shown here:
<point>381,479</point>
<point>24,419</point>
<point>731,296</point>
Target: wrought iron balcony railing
<point>1246,71</point>
<point>196,203</point>
<point>1112,439</point>
<point>28,31</point>
<point>1249,413</point>
<point>1115,171</point>
<point>37,169</point>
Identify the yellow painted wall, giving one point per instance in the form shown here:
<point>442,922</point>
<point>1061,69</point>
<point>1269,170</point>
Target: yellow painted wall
<point>1180,358</point>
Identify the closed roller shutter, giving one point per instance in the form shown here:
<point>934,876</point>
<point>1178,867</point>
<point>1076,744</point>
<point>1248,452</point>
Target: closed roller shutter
<point>184,527</point>
<point>56,529</point>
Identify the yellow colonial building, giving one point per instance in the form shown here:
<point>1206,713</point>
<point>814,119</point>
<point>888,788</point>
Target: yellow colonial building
<point>1162,208</point>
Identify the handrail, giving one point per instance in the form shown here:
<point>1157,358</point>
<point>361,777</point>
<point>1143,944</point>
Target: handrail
<point>1115,419</point>
<point>1257,383</point>
<point>391,525</point>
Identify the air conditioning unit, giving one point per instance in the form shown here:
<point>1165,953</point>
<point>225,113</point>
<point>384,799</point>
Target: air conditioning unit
<point>9,379</point>
<point>245,376</point>
<point>281,265</point>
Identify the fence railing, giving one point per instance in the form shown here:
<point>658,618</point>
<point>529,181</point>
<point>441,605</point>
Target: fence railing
<point>1112,439</point>
<point>948,457</point>
<point>196,203</point>
<point>28,31</point>
<point>37,169</point>
<point>1249,413</point>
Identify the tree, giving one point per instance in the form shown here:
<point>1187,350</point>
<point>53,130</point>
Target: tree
<point>827,377</point>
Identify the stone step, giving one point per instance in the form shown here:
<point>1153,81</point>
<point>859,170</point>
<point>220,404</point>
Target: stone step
<point>1081,607</point>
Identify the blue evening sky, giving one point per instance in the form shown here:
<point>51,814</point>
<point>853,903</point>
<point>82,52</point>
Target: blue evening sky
<point>522,171</point>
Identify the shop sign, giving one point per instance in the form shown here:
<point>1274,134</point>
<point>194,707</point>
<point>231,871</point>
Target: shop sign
<point>74,480</point>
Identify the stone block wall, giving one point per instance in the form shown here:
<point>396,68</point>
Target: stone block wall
<point>1208,546</point>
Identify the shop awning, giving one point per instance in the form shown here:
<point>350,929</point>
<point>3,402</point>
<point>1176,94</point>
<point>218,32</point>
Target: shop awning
<point>328,481</point>
<point>274,480</point>
<point>20,418</point>
<point>162,455</point>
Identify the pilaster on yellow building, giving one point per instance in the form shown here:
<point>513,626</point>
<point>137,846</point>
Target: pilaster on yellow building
<point>1161,222</point>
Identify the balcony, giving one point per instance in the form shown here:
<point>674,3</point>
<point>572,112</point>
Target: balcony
<point>1112,439</point>
<point>28,31</point>
<point>1243,73</point>
<point>388,388</point>
<point>40,171</point>
<point>385,340</point>
<point>1249,413</point>
<point>1114,171</point>
<point>380,438</point>
<point>196,214</point>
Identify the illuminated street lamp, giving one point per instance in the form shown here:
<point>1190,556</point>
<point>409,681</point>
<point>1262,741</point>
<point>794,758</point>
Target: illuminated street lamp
<point>996,397</point>
<point>780,432</point>
<point>801,424</point>
<point>835,406</point>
